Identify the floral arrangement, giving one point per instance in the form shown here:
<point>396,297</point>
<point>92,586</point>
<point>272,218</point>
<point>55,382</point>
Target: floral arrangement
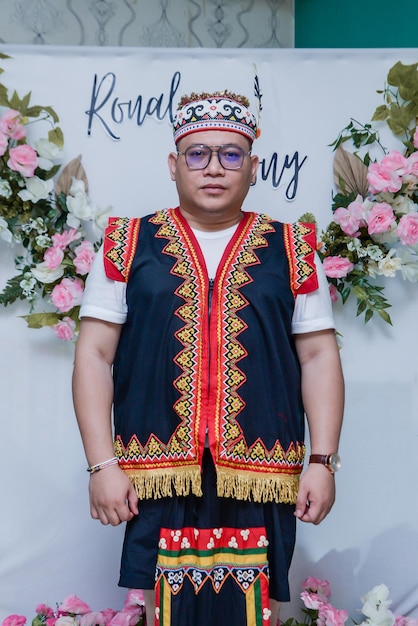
<point>55,227</point>
<point>374,231</point>
<point>75,612</point>
<point>318,610</point>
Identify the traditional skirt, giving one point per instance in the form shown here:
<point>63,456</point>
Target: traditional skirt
<point>210,558</point>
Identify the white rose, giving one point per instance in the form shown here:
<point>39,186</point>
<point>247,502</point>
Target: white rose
<point>36,189</point>
<point>72,221</point>
<point>5,233</point>
<point>403,204</point>
<point>80,206</point>
<point>376,599</point>
<point>389,265</point>
<point>44,274</point>
<point>101,218</point>
<point>47,149</point>
<point>390,236</point>
<point>409,265</point>
<point>77,186</point>
<point>66,620</point>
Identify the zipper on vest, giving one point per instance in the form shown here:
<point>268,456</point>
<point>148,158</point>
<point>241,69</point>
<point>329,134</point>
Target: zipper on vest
<point>210,294</point>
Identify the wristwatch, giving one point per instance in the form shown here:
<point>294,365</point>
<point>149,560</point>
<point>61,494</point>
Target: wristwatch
<point>331,461</point>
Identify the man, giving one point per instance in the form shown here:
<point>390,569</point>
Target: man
<point>209,331</point>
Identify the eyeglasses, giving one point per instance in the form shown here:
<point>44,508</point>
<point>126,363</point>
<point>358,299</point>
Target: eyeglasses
<point>230,156</point>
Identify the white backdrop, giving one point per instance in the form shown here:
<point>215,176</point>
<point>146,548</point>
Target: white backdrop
<point>49,546</point>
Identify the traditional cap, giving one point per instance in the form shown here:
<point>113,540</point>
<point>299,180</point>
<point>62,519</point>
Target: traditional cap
<point>220,110</point>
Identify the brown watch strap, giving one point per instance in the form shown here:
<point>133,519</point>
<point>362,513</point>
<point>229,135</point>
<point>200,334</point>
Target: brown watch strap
<point>319,458</point>
<point>323,459</point>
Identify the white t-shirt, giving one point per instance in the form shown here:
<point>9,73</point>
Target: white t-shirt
<point>105,299</point>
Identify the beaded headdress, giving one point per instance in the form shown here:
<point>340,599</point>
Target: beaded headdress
<point>220,110</point>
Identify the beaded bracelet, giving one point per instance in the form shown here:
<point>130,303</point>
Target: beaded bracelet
<point>95,468</point>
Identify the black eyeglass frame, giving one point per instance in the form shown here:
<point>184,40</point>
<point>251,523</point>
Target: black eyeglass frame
<point>218,150</point>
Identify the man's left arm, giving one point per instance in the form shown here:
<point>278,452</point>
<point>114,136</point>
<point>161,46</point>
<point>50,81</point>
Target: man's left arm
<point>323,400</point>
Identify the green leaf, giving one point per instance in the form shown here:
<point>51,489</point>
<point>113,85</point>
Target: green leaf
<point>307,218</point>
<point>360,293</point>
<point>16,103</point>
<point>361,307</point>
<point>4,99</point>
<point>399,119</point>
<point>56,136</point>
<point>368,316</point>
<point>47,174</point>
<point>403,76</point>
<point>39,320</point>
<point>385,316</point>
<point>345,294</point>
<point>381,113</point>
<point>12,291</point>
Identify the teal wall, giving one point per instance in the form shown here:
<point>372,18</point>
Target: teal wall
<point>356,23</point>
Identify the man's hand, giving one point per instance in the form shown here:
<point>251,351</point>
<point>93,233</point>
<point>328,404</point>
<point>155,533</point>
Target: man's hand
<point>316,494</point>
<point>113,499</point>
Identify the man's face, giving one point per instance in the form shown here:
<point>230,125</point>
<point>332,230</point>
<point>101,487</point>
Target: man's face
<point>212,197</point>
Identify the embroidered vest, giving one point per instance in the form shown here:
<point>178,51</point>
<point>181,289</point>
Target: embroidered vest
<point>182,371</point>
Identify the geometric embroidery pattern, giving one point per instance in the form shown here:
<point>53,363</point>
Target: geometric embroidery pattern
<point>181,447</point>
<point>300,242</point>
<point>210,557</point>
<point>233,449</point>
<point>244,471</point>
<point>120,239</point>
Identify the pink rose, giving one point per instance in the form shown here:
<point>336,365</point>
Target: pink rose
<point>122,618</point>
<point>337,266</point>
<point>380,218</point>
<point>44,609</point>
<point>311,600</point>
<point>400,620</point>
<point>413,164</point>
<point>108,615</point>
<point>14,620</point>
<point>351,218</point>
<point>317,585</point>
<point>67,294</point>
<point>397,162</point>
<point>62,240</point>
<point>134,597</point>
<point>84,255</point>
<point>23,159</point>
<point>4,144</point>
<point>51,621</point>
<point>382,179</point>
<point>53,257</point>
<point>329,616</point>
<point>95,618</point>
<point>64,329</point>
<point>407,230</point>
<point>11,126</point>
<point>73,604</point>
<point>333,292</point>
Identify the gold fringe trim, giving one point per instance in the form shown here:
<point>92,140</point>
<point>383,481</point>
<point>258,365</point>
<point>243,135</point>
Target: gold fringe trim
<point>257,487</point>
<point>159,483</point>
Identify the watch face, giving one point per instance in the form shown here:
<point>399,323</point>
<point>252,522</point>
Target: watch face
<point>334,462</point>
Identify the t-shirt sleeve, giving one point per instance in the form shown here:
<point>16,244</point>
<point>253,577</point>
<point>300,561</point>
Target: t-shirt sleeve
<point>103,298</point>
<point>313,311</point>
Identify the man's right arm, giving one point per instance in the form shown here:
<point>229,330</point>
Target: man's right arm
<point>112,496</point>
